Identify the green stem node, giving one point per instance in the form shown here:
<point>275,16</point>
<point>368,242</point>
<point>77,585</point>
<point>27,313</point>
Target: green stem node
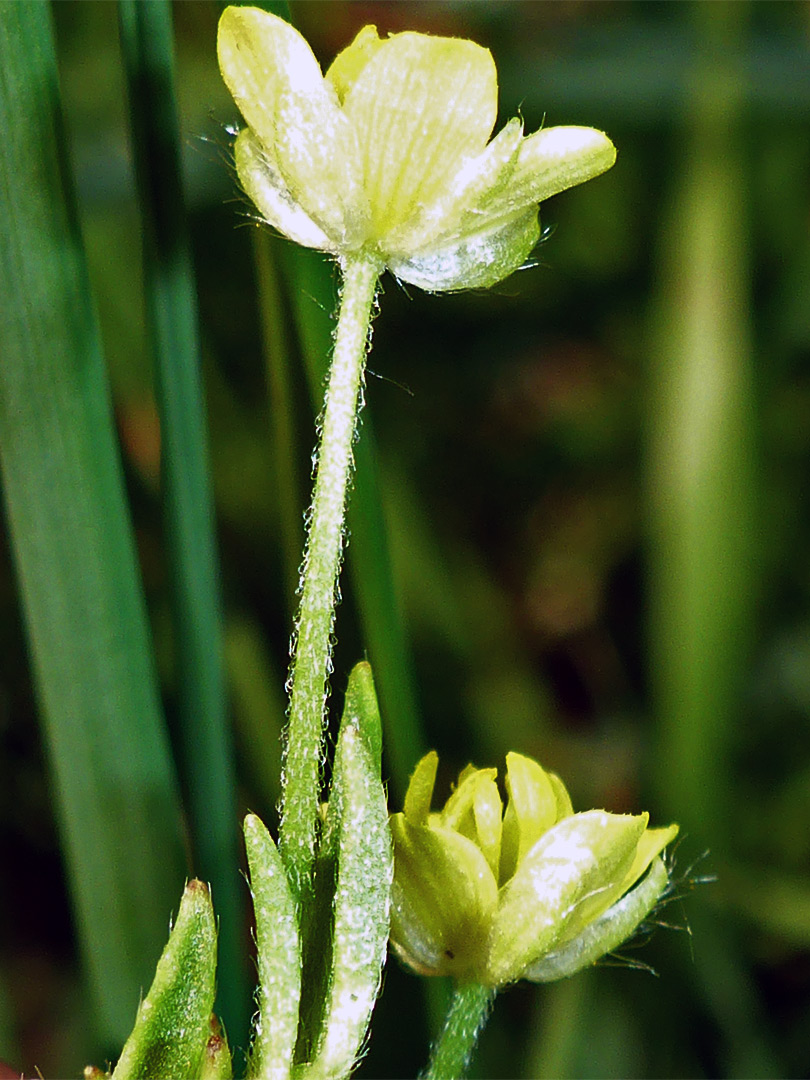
<point>465,1019</point>
<point>312,650</point>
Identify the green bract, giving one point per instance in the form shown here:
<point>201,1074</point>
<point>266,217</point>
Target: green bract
<point>386,156</point>
<point>537,892</point>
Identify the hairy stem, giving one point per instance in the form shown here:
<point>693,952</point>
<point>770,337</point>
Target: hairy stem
<point>312,649</point>
<point>466,1016</point>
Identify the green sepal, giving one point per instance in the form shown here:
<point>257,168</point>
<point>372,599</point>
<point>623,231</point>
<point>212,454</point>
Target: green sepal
<point>473,260</point>
<point>216,1060</point>
<point>562,877</point>
<point>278,955</point>
<point>652,843</point>
<point>443,900</point>
<point>172,1026</point>
<point>604,934</point>
<point>356,855</point>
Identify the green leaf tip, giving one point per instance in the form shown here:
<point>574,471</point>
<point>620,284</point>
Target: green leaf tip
<point>362,710</point>
<point>172,1027</point>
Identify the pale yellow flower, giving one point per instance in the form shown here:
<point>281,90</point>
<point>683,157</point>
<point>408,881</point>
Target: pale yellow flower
<point>387,156</point>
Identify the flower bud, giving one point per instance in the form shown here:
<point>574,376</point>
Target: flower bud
<point>534,892</point>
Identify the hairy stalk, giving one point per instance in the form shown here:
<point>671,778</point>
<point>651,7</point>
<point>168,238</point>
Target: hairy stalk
<point>451,1053</point>
<point>312,648</point>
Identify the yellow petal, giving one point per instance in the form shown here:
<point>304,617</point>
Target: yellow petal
<point>419,795</point>
<point>652,843</point>
<point>420,106</point>
<point>261,56</point>
<point>479,176</point>
<point>488,811</point>
<point>530,812</point>
<point>347,65</point>
<point>264,185</point>
<point>468,770</point>
<point>277,84</point>
<point>564,805</point>
<point>474,810</point>
<point>553,160</point>
<point>460,803</point>
<point>316,151</point>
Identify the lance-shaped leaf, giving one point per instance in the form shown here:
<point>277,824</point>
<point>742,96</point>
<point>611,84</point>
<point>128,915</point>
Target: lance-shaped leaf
<point>172,1027</point>
<point>279,956</point>
<point>357,838</point>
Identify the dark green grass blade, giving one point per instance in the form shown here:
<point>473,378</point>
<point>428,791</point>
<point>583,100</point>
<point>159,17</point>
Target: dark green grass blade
<point>113,779</point>
<point>312,297</point>
<point>146,40</point>
<point>278,361</point>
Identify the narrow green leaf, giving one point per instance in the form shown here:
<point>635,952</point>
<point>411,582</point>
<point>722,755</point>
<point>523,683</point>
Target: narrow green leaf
<point>279,956</point>
<point>147,50</point>
<point>113,779</point>
<point>173,1024</point>
<point>358,840</point>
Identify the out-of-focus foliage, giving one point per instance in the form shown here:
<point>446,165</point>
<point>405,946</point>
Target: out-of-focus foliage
<point>594,480</point>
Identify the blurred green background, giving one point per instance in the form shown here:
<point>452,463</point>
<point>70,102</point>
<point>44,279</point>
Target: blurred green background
<point>593,485</point>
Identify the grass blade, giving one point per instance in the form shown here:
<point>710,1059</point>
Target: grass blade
<point>114,782</point>
<point>702,459</point>
<point>289,493</point>
<point>146,40</point>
